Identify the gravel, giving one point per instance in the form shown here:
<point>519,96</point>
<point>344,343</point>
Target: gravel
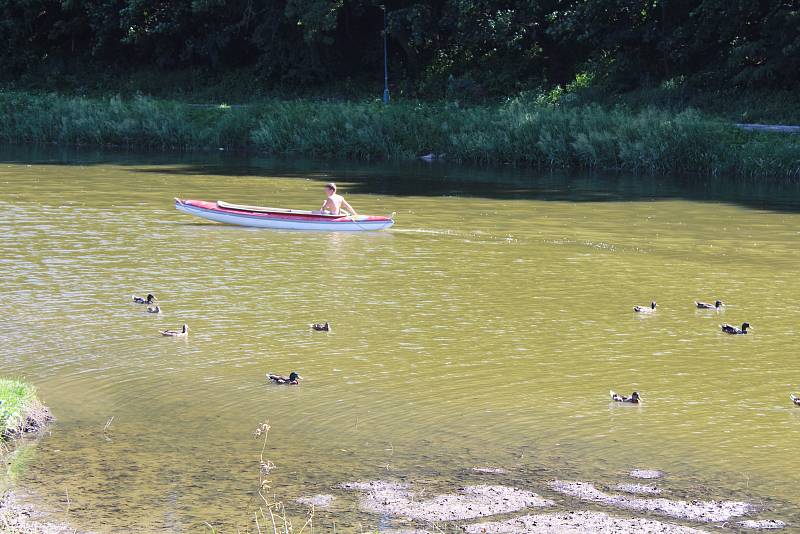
<point>390,498</point>
<point>762,524</point>
<point>638,489</point>
<point>646,473</point>
<point>706,511</point>
<point>578,523</point>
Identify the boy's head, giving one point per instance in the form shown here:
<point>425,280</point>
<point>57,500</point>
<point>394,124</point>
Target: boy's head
<point>331,187</point>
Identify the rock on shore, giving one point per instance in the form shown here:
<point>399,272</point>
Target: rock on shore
<point>578,523</point>
<point>762,524</point>
<point>646,473</point>
<point>638,489</point>
<point>490,470</point>
<point>317,501</point>
<point>390,498</point>
<point>706,511</point>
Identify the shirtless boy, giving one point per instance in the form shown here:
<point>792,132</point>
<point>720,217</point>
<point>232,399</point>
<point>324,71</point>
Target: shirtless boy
<point>334,202</point>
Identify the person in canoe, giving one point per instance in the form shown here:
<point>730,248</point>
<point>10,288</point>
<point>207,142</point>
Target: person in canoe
<point>334,203</point>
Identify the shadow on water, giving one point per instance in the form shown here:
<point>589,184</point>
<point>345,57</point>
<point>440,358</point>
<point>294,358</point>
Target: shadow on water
<point>437,179</point>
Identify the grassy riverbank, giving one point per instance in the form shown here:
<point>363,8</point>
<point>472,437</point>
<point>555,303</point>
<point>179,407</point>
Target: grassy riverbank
<point>20,409</point>
<point>526,132</point>
<point>21,412</point>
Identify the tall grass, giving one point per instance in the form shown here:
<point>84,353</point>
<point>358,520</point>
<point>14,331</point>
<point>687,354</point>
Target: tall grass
<point>272,513</point>
<point>520,132</point>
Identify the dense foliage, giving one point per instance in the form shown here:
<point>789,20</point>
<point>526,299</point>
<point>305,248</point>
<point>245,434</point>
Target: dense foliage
<point>518,132</point>
<point>473,48</point>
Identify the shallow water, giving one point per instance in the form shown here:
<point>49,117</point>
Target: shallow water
<point>484,329</point>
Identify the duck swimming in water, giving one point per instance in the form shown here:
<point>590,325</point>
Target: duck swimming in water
<point>154,309</point>
<point>319,327</point>
<point>292,380</point>
<point>633,399</point>
<point>645,309</point>
<point>139,300</point>
<point>728,329</point>
<point>707,306</point>
<point>795,399</point>
<point>177,333</point>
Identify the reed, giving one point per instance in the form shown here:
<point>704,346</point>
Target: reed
<point>522,131</point>
<point>272,511</point>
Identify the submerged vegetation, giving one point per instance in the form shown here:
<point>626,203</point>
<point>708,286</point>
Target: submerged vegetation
<point>20,410</point>
<point>522,131</point>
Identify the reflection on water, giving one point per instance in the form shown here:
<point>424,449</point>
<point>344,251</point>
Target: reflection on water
<point>485,328</point>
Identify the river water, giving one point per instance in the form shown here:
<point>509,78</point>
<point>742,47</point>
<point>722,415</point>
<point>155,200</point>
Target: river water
<point>485,329</point>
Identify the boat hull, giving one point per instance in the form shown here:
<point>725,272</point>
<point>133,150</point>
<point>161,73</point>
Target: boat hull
<point>282,220</point>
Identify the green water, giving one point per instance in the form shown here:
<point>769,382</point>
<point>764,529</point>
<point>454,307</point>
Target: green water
<point>484,329</point>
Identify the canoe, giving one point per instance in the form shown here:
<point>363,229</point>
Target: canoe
<point>280,218</point>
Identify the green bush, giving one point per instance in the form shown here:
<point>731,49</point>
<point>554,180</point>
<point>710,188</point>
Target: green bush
<point>16,398</point>
<point>523,131</point>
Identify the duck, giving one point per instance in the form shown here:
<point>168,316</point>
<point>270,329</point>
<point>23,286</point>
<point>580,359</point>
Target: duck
<point>177,333</point>
<point>616,397</point>
<point>292,380</point>
<point>795,399</point>
<point>645,309</point>
<point>319,327</point>
<point>154,309</point>
<point>148,300</point>
<point>728,329</point>
<point>707,306</point>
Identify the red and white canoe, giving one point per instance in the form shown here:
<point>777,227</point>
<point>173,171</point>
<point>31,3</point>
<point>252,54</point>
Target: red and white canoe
<point>261,217</point>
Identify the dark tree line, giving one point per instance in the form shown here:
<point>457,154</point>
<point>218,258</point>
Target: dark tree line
<point>491,46</point>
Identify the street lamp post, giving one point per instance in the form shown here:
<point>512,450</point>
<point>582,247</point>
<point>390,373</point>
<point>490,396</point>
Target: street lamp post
<point>385,62</point>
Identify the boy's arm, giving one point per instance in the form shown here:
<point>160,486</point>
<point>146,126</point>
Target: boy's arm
<point>349,207</point>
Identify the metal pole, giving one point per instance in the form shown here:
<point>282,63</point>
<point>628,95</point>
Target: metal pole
<point>385,62</point>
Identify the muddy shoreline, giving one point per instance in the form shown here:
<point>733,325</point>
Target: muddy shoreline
<point>16,517</point>
<point>554,506</point>
<point>540,507</point>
